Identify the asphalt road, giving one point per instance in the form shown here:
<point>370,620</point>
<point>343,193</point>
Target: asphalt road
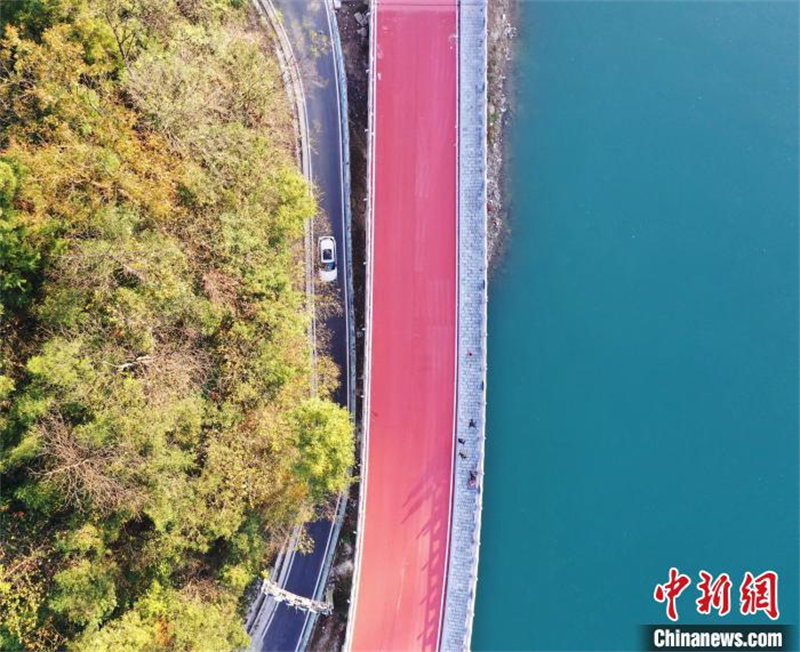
<point>411,340</point>
<point>308,25</point>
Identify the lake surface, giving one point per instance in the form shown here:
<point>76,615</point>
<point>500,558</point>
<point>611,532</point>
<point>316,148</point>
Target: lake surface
<point>643,329</point>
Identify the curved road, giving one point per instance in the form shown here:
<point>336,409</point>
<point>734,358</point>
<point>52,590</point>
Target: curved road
<point>401,564</point>
<point>309,27</point>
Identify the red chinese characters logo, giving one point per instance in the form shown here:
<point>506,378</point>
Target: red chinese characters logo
<point>757,594</point>
<point>760,594</point>
<point>671,590</point>
<point>714,593</point>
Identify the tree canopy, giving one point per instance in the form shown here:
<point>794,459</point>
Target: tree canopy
<point>159,438</point>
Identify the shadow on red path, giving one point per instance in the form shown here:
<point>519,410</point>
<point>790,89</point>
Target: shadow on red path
<point>402,576</point>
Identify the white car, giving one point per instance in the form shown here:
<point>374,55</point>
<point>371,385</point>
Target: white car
<point>327,258</point>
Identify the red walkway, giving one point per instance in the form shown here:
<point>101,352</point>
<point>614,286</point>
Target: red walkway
<point>412,386</point>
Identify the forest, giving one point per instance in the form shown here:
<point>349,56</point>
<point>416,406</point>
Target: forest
<point>159,432</point>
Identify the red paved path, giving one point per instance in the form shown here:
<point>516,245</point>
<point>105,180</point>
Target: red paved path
<point>410,450</point>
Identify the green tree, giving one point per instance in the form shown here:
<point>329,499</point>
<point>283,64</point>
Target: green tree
<point>84,592</point>
<point>322,435</point>
<point>19,259</point>
<point>165,619</point>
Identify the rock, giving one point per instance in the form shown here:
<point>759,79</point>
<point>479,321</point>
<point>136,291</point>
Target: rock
<point>360,18</point>
<point>362,32</point>
<point>344,569</point>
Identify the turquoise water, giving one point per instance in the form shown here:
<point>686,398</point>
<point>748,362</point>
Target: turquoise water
<point>643,331</point>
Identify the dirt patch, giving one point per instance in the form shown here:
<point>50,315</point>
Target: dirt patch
<point>353,21</point>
